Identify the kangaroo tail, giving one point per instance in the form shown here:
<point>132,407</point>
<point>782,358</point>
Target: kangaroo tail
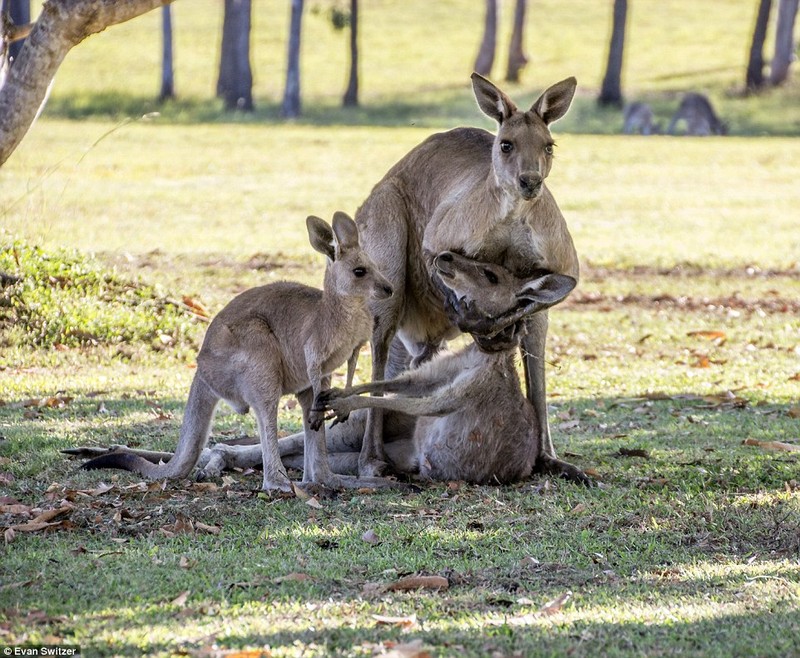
<point>197,418</point>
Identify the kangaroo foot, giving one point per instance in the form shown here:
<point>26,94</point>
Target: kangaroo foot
<point>553,466</point>
<point>340,482</point>
<point>276,481</point>
<point>372,468</point>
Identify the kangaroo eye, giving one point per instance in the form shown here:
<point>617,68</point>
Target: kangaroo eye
<point>491,277</point>
<point>359,272</point>
<point>506,147</point>
<point>548,149</point>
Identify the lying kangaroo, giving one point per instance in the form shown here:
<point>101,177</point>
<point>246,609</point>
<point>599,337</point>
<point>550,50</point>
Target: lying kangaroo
<point>696,110</point>
<point>483,196</point>
<point>474,424</point>
<point>638,118</point>
<point>277,339</point>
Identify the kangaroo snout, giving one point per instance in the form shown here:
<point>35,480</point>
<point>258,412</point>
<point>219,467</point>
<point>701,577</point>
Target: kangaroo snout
<point>530,185</point>
<point>383,290</point>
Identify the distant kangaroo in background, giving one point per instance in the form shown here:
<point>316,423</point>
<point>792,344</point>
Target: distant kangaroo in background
<point>696,110</point>
<point>638,118</point>
<point>483,196</point>
<point>272,340</point>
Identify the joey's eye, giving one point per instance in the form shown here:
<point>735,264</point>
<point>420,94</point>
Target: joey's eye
<point>548,149</point>
<point>506,147</point>
<point>359,272</point>
<point>491,277</point>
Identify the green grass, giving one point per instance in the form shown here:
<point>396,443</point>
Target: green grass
<point>692,549</point>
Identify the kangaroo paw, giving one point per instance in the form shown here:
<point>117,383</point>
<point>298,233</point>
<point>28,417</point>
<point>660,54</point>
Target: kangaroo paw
<point>562,469</point>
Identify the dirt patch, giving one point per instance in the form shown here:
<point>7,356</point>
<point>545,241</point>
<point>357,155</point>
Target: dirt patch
<point>721,305</point>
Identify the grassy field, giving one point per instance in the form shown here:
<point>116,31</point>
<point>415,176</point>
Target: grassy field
<point>673,369</point>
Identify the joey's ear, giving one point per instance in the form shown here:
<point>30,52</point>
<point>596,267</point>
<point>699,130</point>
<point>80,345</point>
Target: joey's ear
<point>493,102</point>
<point>320,236</point>
<point>345,231</point>
<point>547,290</point>
<point>555,101</point>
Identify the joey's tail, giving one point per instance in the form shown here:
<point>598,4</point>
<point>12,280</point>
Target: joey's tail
<point>194,435</point>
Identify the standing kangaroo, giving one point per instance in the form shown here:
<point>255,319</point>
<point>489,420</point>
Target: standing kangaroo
<point>474,422</point>
<point>273,340</point>
<point>638,118</point>
<point>483,196</point>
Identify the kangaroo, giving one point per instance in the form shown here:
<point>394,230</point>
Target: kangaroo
<point>638,118</point>
<point>272,340</point>
<point>474,422</point>
<point>474,425</point>
<point>483,196</point>
<point>696,110</point>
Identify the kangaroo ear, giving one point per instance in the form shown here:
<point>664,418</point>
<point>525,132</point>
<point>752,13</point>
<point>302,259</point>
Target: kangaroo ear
<point>555,101</point>
<point>548,290</point>
<point>345,231</point>
<point>320,235</point>
<point>493,102</point>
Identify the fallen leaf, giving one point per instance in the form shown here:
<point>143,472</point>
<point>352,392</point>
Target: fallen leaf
<point>15,509</point>
<point>418,582</point>
<point>702,362</point>
<point>180,600</point>
<point>403,622</point>
<point>195,307</point>
<point>554,606</point>
<point>793,412</point>
<point>8,535</point>
<point>772,445</point>
<point>578,509</point>
<point>186,563</point>
<point>413,649</point>
<point>210,529</point>
<point>313,502</point>
<point>710,335</point>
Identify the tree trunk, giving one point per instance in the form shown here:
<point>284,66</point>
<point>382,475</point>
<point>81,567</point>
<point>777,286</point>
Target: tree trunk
<point>485,58</point>
<point>517,59</point>
<point>351,95</point>
<point>611,90</point>
<point>235,82</point>
<point>61,26</point>
<point>784,42</point>
<point>167,68</point>
<point>754,78</point>
<point>291,96</point>
<point>20,14</point>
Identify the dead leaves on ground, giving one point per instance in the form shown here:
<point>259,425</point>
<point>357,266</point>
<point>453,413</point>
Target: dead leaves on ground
<point>104,505</point>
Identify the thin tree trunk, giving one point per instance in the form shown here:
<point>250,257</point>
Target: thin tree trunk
<point>351,95</point>
<point>517,59</point>
<point>611,89</point>
<point>291,97</point>
<point>784,41</point>
<point>167,64</point>
<point>235,82</point>
<point>62,24</point>
<point>485,58</point>
<point>754,78</point>
<point>20,13</point>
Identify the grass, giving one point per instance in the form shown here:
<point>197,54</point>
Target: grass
<point>679,345</point>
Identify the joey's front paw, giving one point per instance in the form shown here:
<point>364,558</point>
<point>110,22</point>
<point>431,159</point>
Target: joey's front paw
<point>325,398</point>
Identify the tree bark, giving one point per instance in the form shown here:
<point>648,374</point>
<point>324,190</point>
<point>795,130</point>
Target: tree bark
<point>291,107</point>
<point>167,64</point>
<point>784,42</point>
<point>485,58</point>
<point>517,59</point>
<point>754,78</point>
<point>235,82</point>
<point>351,94</point>
<point>62,25</point>
<point>611,89</point>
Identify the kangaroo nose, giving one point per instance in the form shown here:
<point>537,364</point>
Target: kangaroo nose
<point>388,290</point>
<point>530,185</point>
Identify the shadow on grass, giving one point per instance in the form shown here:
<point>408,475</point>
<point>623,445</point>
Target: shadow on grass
<point>440,108</point>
